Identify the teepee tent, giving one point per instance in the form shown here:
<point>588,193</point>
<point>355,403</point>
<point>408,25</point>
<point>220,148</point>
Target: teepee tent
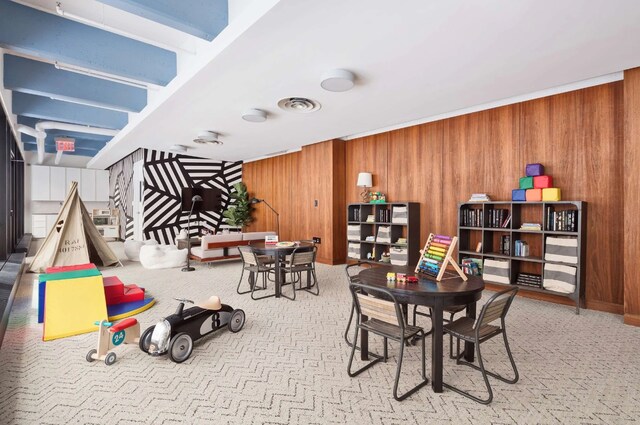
<point>74,239</point>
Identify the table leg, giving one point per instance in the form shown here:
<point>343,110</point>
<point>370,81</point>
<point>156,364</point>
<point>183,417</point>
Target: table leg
<point>436,348</point>
<point>278,277</point>
<point>469,347</point>
<point>364,341</point>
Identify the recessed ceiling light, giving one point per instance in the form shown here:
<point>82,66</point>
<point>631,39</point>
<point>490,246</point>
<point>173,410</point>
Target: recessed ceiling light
<point>207,137</point>
<point>254,115</point>
<point>299,104</point>
<point>338,80</point>
<point>178,148</point>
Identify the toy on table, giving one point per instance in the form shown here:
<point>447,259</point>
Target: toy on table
<point>377,198</point>
<point>391,277</point>
<point>412,279</point>
<point>175,334</point>
<point>111,335</point>
<point>401,277</point>
<point>437,255</point>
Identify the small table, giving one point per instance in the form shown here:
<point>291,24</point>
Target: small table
<point>279,252</point>
<point>182,243</point>
<point>427,292</point>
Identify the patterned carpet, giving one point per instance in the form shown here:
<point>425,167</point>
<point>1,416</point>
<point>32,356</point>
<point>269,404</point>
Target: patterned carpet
<point>288,366</point>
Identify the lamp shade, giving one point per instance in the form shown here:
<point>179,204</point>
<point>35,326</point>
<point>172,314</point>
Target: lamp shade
<point>365,180</point>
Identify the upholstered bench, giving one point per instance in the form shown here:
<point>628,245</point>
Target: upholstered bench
<point>223,247</point>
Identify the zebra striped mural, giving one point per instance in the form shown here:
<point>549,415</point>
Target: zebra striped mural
<point>121,190</point>
<point>165,174</point>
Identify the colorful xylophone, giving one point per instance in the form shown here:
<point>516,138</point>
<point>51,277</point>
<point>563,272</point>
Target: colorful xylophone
<point>437,255</point>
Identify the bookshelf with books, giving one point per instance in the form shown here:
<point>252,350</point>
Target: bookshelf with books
<point>524,236</point>
<point>386,233</point>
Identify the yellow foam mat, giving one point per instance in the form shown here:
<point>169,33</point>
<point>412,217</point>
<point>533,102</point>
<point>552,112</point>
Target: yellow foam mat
<point>72,306</point>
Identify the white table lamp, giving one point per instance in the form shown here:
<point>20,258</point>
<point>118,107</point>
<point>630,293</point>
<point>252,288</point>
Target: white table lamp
<point>365,181</point>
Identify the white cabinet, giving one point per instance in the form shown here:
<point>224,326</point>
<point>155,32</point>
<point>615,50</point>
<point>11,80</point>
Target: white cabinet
<point>40,183</point>
<point>39,226</point>
<point>102,185</point>
<point>51,221</point>
<point>57,183</point>
<point>88,185</point>
<point>73,175</point>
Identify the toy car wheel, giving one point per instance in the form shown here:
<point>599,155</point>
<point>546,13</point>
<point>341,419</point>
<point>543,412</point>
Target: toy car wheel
<point>90,355</point>
<point>110,358</point>
<point>237,321</point>
<point>145,339</point>
<point>180,347</point>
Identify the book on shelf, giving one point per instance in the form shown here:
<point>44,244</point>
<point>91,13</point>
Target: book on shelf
<point>561,221</point>
<point>528,279</point>
<point>479,197</point>
<point>507,221</point>
<point>531,226</point>
<point>371,218</point>
<point>505,244</point>
<point>497,217</point>
<point>471,217</point>
<point>521,249</point>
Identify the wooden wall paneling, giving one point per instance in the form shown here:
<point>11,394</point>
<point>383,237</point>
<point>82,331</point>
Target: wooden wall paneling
<point>600,154</point>
<point>366,154</point>
<point>316,173</point>
<point>631,196</point>
<point>339,227</point>
<point>415,172</point>
<point>281,193</point>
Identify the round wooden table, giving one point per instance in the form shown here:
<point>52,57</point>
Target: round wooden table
<point>427,292</point>
<point>279,253</point>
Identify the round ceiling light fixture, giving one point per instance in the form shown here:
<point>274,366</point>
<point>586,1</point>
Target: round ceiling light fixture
<point>254,115</point>
<point>299,104</point>
<point>178,148</point>
<point>338,80</point>
<point>207,138</point>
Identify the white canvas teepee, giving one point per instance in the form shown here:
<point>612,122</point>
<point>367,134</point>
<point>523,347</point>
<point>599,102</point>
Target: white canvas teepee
<point>74,239</point>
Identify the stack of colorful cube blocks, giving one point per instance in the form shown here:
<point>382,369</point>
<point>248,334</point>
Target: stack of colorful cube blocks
<point>536,186</point>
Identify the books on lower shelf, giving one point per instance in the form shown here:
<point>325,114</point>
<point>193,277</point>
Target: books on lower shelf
<point>531,226</point>
<point>528,279</point>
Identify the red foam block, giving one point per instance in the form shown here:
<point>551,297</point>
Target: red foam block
<point>131,293</point>
<point>113,287</point>
<point>542,182</point>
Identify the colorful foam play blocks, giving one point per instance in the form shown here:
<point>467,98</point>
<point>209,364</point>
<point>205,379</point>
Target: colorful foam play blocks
<point>534,195</point>
<point>113,287</point>
<point>72,274</point>
<point>542,182</point>
<point>60,269</point>
<point>526,182</point>
<point>533,170</point>
<point>518,195</point>
<point>551,194</point>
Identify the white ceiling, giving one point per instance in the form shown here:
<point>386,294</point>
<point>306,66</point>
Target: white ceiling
<point>413,58</point>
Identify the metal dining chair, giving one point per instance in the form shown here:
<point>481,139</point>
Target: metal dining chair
<point>481,330</point>
<point>299,262</point>
<point>353,278</point>
<point>386,319</point>
<point>256,267</point>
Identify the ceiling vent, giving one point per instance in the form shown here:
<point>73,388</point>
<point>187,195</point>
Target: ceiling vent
<point>207,138</point>
<point>299,104</point>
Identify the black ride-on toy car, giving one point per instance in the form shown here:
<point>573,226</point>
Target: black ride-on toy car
<point>175,334</point>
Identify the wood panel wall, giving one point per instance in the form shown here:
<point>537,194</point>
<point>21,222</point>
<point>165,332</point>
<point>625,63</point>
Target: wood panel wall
<point>631,196</point>
<point>292,184</point>
<point>578,136</point>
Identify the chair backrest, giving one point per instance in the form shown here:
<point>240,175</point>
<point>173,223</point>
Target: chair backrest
<point>303,257</point>
<point>350,267</point>
<point>496,308</point>
<point>248,256</point>
<point>373,302</point>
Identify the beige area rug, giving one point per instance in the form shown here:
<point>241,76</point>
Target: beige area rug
<point>288,366</point>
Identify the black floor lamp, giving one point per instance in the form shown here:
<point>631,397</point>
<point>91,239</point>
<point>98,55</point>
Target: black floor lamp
<point>257,201</point>
<point>196,198</point>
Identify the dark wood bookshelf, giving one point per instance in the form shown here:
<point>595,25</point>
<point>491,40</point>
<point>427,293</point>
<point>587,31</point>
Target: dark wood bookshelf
<point>521,212</point>
<point>357,216</point>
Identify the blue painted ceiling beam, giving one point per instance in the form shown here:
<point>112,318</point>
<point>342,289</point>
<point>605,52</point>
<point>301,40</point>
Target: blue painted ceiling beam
<point>202,18</point>
<point>44,79</point>
<point>44,108</point>
<point>51,138</point>
<point>49,36</point>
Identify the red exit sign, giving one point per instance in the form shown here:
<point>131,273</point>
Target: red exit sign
<point>65,145</point>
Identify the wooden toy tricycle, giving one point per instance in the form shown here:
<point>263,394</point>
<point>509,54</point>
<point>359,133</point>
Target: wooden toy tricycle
<point>111,335</point>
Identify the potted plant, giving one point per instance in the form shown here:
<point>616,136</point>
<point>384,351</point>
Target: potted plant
<point>238,214</point>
